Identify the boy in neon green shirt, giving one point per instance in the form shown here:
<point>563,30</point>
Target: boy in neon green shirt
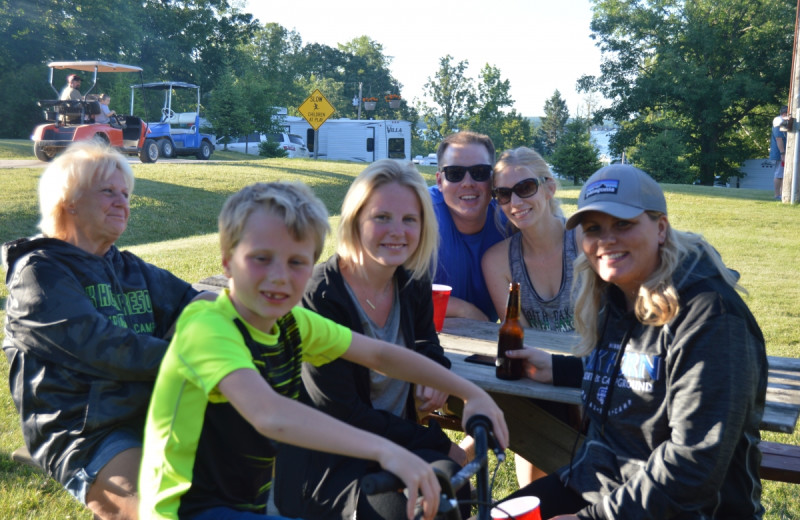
<point>231,374</point>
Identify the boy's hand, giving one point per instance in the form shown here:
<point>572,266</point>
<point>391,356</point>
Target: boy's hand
<point>484,405</point>
<point>429,399</point>
<point>418,477</point>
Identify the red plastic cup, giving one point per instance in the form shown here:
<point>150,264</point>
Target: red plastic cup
<point>441,295</point>
<point>520,508</point>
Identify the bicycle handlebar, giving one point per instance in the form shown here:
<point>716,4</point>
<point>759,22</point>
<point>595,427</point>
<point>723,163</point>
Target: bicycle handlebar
<point>478,427</point>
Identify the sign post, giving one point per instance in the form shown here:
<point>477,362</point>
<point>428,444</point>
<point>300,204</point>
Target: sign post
<point>316,110</point>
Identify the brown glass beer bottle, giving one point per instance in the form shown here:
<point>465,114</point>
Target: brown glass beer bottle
<point>510,338</point>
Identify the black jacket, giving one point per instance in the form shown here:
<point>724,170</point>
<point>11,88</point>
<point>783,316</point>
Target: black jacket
<point>83,337</point>
<point>677,436</point>
<point>317,483</point>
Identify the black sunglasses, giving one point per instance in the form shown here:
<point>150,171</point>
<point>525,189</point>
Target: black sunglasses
<point>478,172</point>
<point>524,189</point>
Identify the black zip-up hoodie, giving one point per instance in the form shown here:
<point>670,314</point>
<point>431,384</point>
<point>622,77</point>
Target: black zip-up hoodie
<point>83,337</point>
<point>674,421</point>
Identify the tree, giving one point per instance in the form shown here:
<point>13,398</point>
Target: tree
<point>453,95</point>
<point>663,156</point>
<point>227,109</point>
<point>493,114</point>
<point>553,124</point>
<point>708,66</point>
<point>575,156</point>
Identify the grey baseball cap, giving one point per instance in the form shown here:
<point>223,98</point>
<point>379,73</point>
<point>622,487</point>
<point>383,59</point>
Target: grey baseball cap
<point>622,191</point>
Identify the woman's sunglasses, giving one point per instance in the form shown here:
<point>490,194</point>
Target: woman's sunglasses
<point>524,189</point>
<point>478,172</point>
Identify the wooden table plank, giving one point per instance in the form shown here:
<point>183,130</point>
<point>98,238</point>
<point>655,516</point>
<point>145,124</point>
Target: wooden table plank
<point>461,337</point>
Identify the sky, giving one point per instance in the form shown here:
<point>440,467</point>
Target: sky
<point>538,45</point>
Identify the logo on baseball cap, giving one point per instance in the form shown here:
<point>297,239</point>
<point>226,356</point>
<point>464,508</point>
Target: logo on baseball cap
<point>620,190</point>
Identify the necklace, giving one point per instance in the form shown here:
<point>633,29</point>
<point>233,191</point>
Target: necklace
<point>380,294</point>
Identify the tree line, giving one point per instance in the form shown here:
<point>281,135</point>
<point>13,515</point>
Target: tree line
<point>693,85</point>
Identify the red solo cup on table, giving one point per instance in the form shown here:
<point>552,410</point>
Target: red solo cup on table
<point>520,508</point>
<point>441,295</point>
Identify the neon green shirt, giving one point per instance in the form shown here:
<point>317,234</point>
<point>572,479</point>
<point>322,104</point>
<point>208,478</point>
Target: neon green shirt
<point>198,451</point>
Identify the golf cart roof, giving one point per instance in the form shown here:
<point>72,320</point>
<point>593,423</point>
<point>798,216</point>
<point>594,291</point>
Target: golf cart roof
<point>91,66</point>
<point>164,85</point>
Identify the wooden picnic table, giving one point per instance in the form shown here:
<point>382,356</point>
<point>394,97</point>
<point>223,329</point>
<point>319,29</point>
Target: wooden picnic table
<point>544,440</point>
<point>535,434</point>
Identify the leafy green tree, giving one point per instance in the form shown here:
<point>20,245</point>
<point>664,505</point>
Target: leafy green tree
<point>272,60</point>
<point>493,114</point>
<point>711,66</point>
<point>227,109</point>
<point>575,156</point>
<point>664,157</point>
<point>553,124</point>
<point>453,95</point>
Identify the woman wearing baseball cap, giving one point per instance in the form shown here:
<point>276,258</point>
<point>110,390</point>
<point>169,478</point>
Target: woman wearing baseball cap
<point>671,362</point>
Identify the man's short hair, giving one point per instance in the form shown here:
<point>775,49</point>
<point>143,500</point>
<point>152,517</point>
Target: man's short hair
<point>302,212</point>
<point>464,138</point>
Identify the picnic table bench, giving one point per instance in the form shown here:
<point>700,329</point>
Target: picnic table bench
<point>548,442</point>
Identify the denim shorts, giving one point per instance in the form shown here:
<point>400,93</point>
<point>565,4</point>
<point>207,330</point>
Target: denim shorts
<point>115,443</point>
<point>227,513</point>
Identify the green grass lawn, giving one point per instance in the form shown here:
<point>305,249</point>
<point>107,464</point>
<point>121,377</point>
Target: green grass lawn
<point>173,224</point>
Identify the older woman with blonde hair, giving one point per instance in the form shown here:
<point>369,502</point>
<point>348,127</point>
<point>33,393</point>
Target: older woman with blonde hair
<point>85,330</point>
<point>378,284</point>
<point>671,362</point>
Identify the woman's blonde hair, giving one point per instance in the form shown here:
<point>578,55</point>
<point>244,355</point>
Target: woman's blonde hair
<point>80,166</point>
<point>657,302</point>
<point>530,159</point>
<point>380,173</point>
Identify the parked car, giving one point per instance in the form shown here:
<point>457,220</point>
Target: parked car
<point>67,121</point>
<point>292,143</point>
<point>429,160</point>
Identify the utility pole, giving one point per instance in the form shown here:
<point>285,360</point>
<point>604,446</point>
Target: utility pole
<point>789,191</point>
<point>360,97</point>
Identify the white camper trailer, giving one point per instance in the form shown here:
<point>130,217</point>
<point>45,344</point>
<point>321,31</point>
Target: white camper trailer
<point>354,140</point>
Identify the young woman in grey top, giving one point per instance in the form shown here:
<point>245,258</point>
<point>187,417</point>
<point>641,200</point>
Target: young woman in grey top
<point>538,254</point>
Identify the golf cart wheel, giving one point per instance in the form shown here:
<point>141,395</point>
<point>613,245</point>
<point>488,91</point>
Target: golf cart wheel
<point>149,152</point>
<point>205,151</point>
<point>166,149</point>
<point>41,153</point>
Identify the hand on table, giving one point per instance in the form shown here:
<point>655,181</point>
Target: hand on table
<point>538,364</point>
<point>429,399</point>
<point>458,308</point>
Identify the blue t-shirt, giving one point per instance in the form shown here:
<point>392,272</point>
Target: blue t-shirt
<point>774,152</point>
<point>460,255</point>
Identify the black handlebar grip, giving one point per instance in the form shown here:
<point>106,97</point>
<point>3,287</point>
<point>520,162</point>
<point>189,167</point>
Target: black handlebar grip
<point>380,482</point>
<point>475,421</point>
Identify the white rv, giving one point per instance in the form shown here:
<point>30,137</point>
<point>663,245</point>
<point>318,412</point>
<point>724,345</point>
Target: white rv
<point>354,140</point>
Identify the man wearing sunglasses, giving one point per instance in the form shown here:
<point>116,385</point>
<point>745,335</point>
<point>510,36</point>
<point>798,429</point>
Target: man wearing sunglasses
<point>469,221</point>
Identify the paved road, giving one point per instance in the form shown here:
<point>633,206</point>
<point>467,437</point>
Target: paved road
<point>33,163</point>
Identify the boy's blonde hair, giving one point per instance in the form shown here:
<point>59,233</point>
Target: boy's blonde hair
<point>81,166</point>
<point>380,173</point>
<point>302,212</point>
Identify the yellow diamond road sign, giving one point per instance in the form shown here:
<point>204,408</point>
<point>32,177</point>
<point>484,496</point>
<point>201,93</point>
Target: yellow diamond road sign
<point>316,109</point>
